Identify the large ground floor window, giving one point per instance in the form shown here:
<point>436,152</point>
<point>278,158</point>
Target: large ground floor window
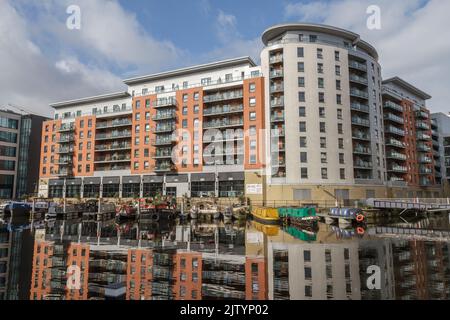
<point>55,191</point>
<point>110,191</point>
<point>73,191</point>
<point>152,189</point>
<point>203,189</point>
<point>91,191</point>
<point>231,189</point>
<point>131,190</point>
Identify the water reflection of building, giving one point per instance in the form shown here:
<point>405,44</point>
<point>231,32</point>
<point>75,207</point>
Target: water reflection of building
<point>15,260</point>
<point>377,253</point>
<point>422,270</point>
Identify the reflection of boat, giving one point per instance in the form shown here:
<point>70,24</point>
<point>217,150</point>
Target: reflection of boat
<point>299,216</point>
<point>304,235</point>
<point>126,212</point>
<point>18,208</point>
<point>266,215</point>
<point>240,212</point>
<point>268,230</point>
<point>348,233</point>
<point>348,214</point>
<point>205,209</point>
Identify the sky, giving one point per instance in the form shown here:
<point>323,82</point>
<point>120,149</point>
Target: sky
<point>42,61</point>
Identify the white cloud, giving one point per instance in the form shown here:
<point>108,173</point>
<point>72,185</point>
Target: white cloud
<point>412,42</point>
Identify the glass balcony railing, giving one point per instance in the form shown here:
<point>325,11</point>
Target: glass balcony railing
<point>166,102</point>
<point>238,94</point>
<point>164,128</point>
<point>277,88</point>
<point>394,106</point>
<point>395,143</point>
<point>113,147</point>
<point>164,116</point>
<point>227,109</point>
<point>358,79</point>
<point>395,155</point>
<point>275,103</point>
<point>113,135</point>
<point>277,117</point>
<point>359,135</point>
<point>423,136</point>
<point>423,147</point>
<point>114,123</point>
<point>116,158</point>
<point>360,122</point>
<point>359,149</point>
<point>223,123</point>
<point>398,168</point>
<point>394,118</point>
<point>422,125</point>
<point>359,93</point>
<point>394,130</point>
<point>66,127</point>
<point>425,160</point>
<point>357,65</point>
<point>276,59</point>
<point>276,74</point>
<point>360,107</point>
<point>360,164</point>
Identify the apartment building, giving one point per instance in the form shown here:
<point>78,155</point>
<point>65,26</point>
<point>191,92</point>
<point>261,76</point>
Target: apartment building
<point>441,148</point>
<point>310,123</point>
<point>190,131</point>
<point>20,138</point>
<point>409,144</point>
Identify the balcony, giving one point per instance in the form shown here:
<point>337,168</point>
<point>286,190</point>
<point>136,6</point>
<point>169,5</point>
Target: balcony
<point>113,147</point>
<point>363,165</point>
<point>358,135</point>
<point>434,123</point>
<point>423,147</point>
<point>113,167</point>
<point>164,128</point>
<point>359,107</point>
<point>397,168</point>
<point>360,122</point>
<point>396,155</point>
<point>422,125</point>
<point>394,118</point>
<point>278,132</point>
<point>277,103</point>
<point>163,142</point>
<point>66,139</point>
<point>165,153</point>
<point>423,137</point>
<point>227,109</point>
<point>395,143</point>
<point>393,106</point>
<point>66,127</point>
<point>116,109</point>
<point>230,95</point>
<point>164,116</point>
<point>114,124</point>
<point>276,74</point>
<point>166,102</point>
<point>118,158</point>
<point>276,59</point>
<point>113,135</point>
<point>394,130</point>
<point>359,149</point>
<point>426,160</point>
<point>422,115</point>
<point>64,161</point>
<point>223,123</point>
<point>164,167</point>
<point>425,170</point>
<point>277,118</point>
<point>359,93</point>
<point>358,79</point>
<point>277,88</point>
<point>65,151</point>
<point>357,65</point>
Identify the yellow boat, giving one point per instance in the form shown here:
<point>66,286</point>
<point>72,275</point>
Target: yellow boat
<point>268,230</point>
<point>266,215</point>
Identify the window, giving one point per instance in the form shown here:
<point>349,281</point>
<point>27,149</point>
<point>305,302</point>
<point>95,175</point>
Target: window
<point>147,103</point>
<point>323,142</point>
<point>312,38</point>
<point>300,52</point>
<point>147,127</point>
<point>185,97</point>
<point>303,157</point>
<point>337,55</point>
<point>304,173</point>
<point>138,104</point>
<point>320,68</point>
<point>185,111</point>
<point>302,112</point>
<point>301,67</point>
<point>323,157</point>
<point>252,159</point>
<point>338,85</point>
<point>322,127</point>
<point>137,129</point>
<point>196,109</point>
<point>184,123</point>
<point>341,143</point>
<point>301,97</point>
<point>319,53</point>
<point>206,81</point>
<point>340,129</point>
<point>302,126</point>
<point>303,143</point>
<point>252,87</point>
<point>228,77</point>
<point>90,123</point>
<point>320,83</point>
<point>321,112</point>
<point>252,102</point>
<point>301,82</point>
<point>137,117</point>
<point>185,84</point>
<point>196,96</point>
<point>338,99</point>
<point>341,158</point>
<point>159,89</point>
<point>324,173</point>
<point>338,70</point>
<point>321,97</point>
<point>307,256</point>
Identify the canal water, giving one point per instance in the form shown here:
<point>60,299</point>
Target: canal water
<point>405,258</point>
